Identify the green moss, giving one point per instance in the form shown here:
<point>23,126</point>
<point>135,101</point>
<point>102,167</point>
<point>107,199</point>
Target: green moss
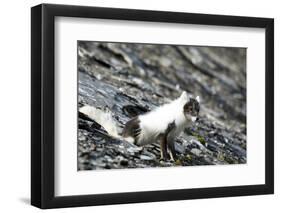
<point>200,138</point>
<point>178,162</point>
<point>230,161</point>
<point>221,156</point>
<point>243,145</point>
<point>188,157</point>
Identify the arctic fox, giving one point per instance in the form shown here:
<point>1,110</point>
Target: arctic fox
<point>163,124</point>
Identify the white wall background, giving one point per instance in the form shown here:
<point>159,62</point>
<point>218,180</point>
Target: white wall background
<point>15,105</point>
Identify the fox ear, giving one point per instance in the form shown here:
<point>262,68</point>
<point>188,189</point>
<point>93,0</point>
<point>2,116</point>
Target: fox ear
<point>184,95</point>
<point>198,99</point>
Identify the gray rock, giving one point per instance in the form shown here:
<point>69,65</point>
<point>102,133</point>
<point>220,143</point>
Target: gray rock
<point>196,152</point>
<point>145,157</point>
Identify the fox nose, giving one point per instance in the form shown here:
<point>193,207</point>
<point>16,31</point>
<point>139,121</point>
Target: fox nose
<point>197,119</point>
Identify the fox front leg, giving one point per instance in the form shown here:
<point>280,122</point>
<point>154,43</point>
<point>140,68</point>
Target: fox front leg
<point>164,143</point>
<point>163,147</point>
<point>170,141</point>
<point>167,146</point>
<point>171,148</point>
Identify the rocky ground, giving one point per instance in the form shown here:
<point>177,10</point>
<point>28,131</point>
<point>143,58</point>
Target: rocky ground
<point>125,80</point>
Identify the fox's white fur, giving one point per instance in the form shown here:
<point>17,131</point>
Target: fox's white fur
<point>155,122</point>
<point>103,118</point>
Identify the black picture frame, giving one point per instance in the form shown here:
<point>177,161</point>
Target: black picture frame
<point>43,102</point>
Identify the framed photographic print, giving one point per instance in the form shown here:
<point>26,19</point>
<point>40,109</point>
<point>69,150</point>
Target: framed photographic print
<point>140,106</point>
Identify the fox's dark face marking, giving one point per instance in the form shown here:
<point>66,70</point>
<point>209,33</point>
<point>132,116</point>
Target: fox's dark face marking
<point>191,108</point>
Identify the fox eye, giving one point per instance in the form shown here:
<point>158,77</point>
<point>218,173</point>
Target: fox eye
<point>190,108</point>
